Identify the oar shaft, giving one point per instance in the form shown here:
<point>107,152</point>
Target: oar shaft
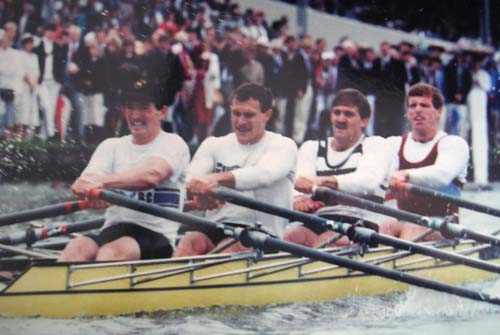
<point>147,208</point>
<point>424,191</point>
<point>436,253</point>
<point>449,229</point>
<point>360,234</point>
<point>32,235</point>
<point>24,252</point>
<point>350,200</point>
<point>261,240</point>
<point>43,212</point>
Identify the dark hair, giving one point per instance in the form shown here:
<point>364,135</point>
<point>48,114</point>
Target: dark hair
<point>289,39</point>
<point>50,27</point>
<point>253,91</point>
<point>137,86</point>
<point>352,97</point>
<point>426,90</point>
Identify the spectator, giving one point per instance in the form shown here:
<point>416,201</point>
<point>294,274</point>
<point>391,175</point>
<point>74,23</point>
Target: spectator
<point>457,84</point>
<point>52,62</point>
<point>91,82</point>
<point>477,101</point>
<point>75,53</point>
<point>27,117</point>
<point>11,74</point>
<point>391,83</point>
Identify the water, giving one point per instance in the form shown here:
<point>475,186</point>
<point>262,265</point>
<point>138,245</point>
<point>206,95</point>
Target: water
<point>418,311</point>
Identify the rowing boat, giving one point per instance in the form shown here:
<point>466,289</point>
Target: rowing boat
<point>67,290</point>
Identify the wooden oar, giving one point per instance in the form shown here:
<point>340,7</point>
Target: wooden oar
<point>43,212</point>
<point>260,240</point>
<point>32,235</point>
<point>424,191</point>
<point>446,228</point>
<point>357,234</point>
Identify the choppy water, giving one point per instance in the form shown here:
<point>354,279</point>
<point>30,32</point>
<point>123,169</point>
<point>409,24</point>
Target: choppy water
<point>418,311</point>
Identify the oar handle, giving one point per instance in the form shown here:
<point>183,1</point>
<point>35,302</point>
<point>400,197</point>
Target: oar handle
<point>44,212</point>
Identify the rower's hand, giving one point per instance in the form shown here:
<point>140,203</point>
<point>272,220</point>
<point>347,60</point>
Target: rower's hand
<point>306,184</point>
<point>82,186</point>
<point>397,178</point>
<point>207,202</point>
<point>306,204</point>
<point>202,185</point>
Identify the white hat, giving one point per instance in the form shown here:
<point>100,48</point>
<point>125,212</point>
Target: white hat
<point>182,36</point>
<point>263,41</point>
<point>276,43</point>
<point>496,56</point>
<point>26,36</point>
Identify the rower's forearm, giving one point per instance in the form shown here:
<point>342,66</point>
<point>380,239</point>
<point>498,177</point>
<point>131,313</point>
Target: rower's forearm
<point>225,179</point>
<point>134,179</point>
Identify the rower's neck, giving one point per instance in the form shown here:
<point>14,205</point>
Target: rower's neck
<point>424,137</point>
<point>343,146</point>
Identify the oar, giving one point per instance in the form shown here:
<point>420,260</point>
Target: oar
<point>424,191</point>
<point>260,240</point>
<point>43,212</point>
<point>32,235</point>
<point>24,252</point>
<point>446,228</point>
<point>358,234</point>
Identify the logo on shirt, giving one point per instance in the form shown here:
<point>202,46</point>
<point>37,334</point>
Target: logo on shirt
<point>219,167</point>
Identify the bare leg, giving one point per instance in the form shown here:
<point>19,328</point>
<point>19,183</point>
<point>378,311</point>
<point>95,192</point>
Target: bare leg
<point>123,249</point>
<point>391,228</point>
<point>327,235</point>
<point>81,249</point>
<point>412,231</point>
<point>300,235</point>
<point>194,243</point>
<point>237,247</point>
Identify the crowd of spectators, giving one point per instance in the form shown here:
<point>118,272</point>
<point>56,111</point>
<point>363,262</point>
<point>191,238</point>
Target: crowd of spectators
<point>62,62</point>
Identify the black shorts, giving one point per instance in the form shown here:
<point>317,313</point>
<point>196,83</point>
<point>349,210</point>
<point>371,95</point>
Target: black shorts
<point>318,229</point>
<point>214,234</point>
<point>152,244</point>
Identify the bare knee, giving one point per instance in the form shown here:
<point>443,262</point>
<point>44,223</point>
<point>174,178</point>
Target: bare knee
<point>336,240</point>
<point>391,228</point>
<point>81,249</point>
<point>300,235</point>
<point>122,249</point>
<point>236,247</point>
<point>194,243</point>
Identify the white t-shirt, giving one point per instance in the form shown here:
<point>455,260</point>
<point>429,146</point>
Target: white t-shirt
<point>120,154</point>
<point>264,171</point>
<point>451,161</point>
<point>371,169</point>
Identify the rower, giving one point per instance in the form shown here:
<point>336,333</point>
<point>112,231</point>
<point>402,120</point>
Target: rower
<point>258,163</point>
<point>148,165</point>
<point>427,157</point>
<point>349,161</point>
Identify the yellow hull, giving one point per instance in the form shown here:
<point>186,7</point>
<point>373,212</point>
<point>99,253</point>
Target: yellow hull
<point>70,290</point>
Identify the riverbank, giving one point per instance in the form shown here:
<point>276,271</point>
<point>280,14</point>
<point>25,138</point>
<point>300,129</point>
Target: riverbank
<point>42,161</point>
